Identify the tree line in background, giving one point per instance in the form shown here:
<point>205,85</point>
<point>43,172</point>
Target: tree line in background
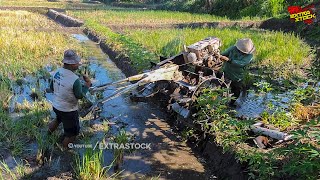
<point>229,8</point>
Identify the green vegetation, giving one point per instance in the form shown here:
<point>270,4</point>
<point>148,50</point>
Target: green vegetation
<point>243,8</point>
<point>28,49</point>
<point>45,146</point>
<point>297,159</point>
<point>25,50</point>
<point>125,46</point>
<point>147,17</point>
<point>121,139</point>
<point>90,165</point>
<point>6,172</point>
<point>280,53</point>
<point>272,48</point>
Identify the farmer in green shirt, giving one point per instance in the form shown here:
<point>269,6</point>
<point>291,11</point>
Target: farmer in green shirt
<point>237,57</point>
<point>67,89</point>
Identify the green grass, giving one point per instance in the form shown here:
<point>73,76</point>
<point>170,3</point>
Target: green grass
<point>90,165</point>
<point>283,54</point>
<point>280,52</point>
<point>15,173</point>
<point>125,46</point>
<point>144,17</point>
<point>121,139</point>
<point>272,48</point>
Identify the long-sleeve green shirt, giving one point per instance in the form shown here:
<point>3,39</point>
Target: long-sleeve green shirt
<point>234,69</point>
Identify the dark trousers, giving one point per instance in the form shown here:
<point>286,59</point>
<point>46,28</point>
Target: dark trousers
<point>70,121</point>
<point>235,87</point>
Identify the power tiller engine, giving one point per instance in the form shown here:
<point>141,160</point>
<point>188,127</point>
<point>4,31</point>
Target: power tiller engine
<point>198,64</point>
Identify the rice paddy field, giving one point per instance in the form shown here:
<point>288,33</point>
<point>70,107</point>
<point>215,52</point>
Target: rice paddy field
<point>144,17</point>
<point>69,4</point>
<point>283,81</point>
<point>25,51</point>
<point>283,53</point>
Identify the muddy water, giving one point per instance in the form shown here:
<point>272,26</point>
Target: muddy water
<point>253,104</point>
<point>168,157</point>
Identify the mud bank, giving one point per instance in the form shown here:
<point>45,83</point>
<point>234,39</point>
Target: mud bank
<point>223,164</point>
<point>122,62</point>
<point>64,19</point>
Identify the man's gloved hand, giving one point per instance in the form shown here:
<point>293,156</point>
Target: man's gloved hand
<point>224,58</point>
<point>87,80</point>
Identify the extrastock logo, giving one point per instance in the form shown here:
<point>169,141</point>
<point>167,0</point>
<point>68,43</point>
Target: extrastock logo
<point>306,14</point>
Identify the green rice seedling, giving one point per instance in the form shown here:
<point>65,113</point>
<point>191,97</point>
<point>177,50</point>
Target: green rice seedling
<point>283,54</point>
<point>21,170</point>
<point>45,146</point>
<point>90,165</point>
<point>106,126</point>
<point>274,46</point>
<point>146,17</point>
<point>121,139</point>
<point>5,170</point>
<point>14,141</point>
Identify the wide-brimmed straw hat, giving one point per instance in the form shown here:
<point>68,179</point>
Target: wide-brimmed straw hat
<point>71,57</point>
<point>245,45</point>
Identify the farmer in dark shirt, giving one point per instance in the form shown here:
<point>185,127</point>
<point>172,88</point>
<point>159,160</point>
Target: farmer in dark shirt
<point>67,89</point>
<point>237,57</point>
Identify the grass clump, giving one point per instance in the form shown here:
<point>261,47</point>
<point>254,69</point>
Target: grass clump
<point>90,165</point>
<point>12,173</point>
